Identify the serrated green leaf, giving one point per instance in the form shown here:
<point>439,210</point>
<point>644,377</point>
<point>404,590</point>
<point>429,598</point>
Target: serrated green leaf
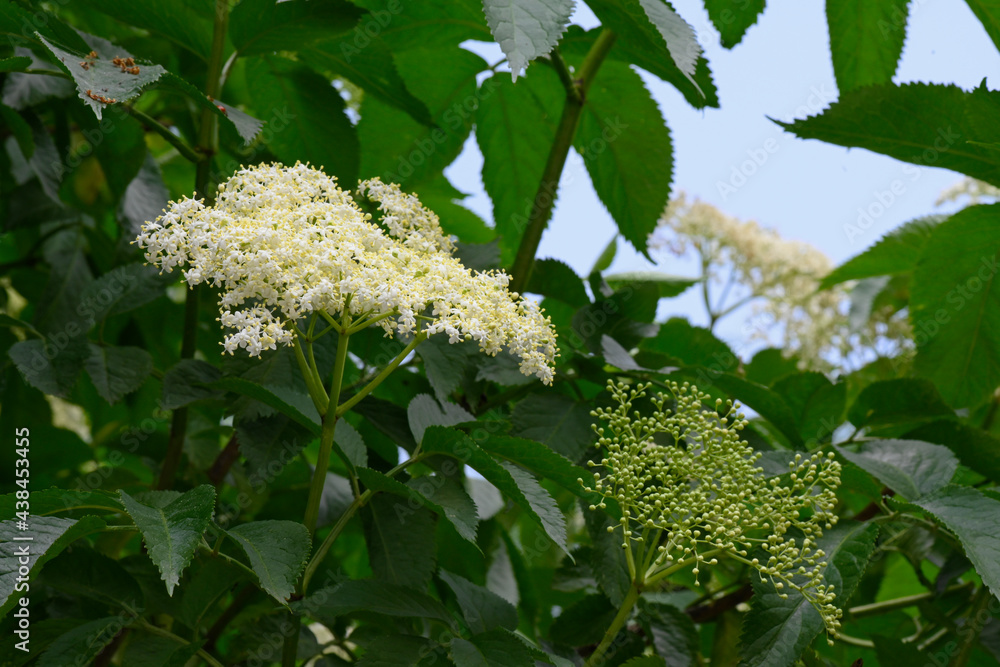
<point>770,365</point>
<point>626,147</point>
<point>400,542</point>
<point>641,43</point>
<point>732,18</point>
<point>911,468</point>
<point>172,532</point>
<point>974,447</point>
<point>49,536</point>
<point>45,502</point>
<point>765,402</point>
<point>414,153</point>
<point>896,252</point>
<point>277,550</point>
<point>955,306</point>
<point>555,279</point>
<point>583,622</point>
<point>515,128</point>
<point>88,573</point>
<point>371,68</point>
<point>975,519</point>
<point>316,127</point>
<point>414,25</point>
<point>498,648</point>
<point>18,126</point>
<point>116,371</point>
<point>14,64</point>
<point>668,285</point>
<point>541,503</point>
<point>483,609</point>
<point>121,290</point>
<point>988,13</point>
<point>83,643</point>
<point>925,124</point>
<point>866,40</point>
<point>540,460</point>
<point>674,635</point>
<point>898,401</point>
<point>282,399</point>
<point>427,492</point>
<point>607,558</point>
<point>681,40</point>
<point>175,21</point>
<point>456,444</point>
<point>817,403</point>
<point>424,411</point>
<point>681,342</point>
<point>16,20</point>
<point>245,125</point>
<point>378,597</point>
<point>526,29</point>
<point>259,27</point>
<point>776,631</point>
<point>102,78</point>
<point>184,383</point>
<point>556,420</point>
<point>56,375</point>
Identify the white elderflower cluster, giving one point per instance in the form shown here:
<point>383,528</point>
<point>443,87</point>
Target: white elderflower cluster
<point>286,242</point>
<point>781,277</point>
<point>690,487</point>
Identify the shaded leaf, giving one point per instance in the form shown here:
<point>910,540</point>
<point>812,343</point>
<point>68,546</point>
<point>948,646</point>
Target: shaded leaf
<point>400,542</point>
<point>911,468</point>
<point>776,631</point>
<point>277,550</point>
<point>483,609</point>
<point>374,596</point>
<point>955,306</point>
<point>427,492</point>
<point>424,411</point>
<point>82,644</point>
<point>50,535</point>
<point>975,519</point>
<point>116,371</point>
<point>896,252</point>
<point>556,420</point>
<point>262,26</point>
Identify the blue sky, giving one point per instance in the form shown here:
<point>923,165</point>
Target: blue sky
<point>806,190</point>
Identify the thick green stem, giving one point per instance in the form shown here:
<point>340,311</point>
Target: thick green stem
<point>186,151</point>
<point>973,626</point>
<point>326,437</point>
<point>541,210</point>
<point>378,379</point>
<point>624,612</point>
<point>208,142</point>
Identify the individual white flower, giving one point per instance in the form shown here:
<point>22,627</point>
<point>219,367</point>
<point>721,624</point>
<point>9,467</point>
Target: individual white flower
<point>283,243</point>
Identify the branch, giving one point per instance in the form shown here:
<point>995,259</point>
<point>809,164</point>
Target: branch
<point>541,209</point>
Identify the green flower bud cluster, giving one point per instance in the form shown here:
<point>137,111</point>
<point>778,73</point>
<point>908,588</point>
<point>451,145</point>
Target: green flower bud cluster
<point>690,489</point>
